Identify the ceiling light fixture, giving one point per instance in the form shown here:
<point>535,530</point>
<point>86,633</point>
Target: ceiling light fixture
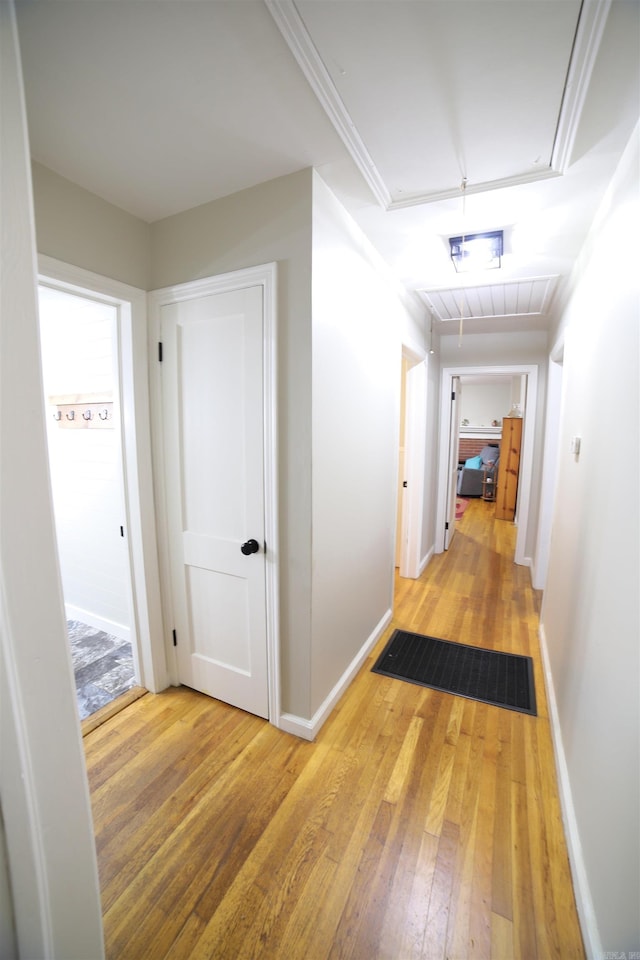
<point>477,251</point>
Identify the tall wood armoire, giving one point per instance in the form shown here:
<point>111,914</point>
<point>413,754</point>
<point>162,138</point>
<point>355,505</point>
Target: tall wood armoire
<point>508,468</point>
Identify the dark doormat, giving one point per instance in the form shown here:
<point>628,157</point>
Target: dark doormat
<point>501,679</point>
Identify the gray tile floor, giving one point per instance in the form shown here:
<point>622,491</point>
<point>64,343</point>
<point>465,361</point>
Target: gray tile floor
<point>102,664</point>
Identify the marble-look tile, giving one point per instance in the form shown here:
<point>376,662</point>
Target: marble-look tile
<point>89,651</point>
<point>118,680</point>
<point>90,699</point>
<point>103,666</point>
<point>92,671</point>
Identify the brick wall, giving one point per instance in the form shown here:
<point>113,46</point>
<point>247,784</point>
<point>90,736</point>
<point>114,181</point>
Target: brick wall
<point>471,447</point>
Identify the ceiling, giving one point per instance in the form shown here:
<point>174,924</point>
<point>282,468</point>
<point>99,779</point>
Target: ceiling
<point>428,119</point>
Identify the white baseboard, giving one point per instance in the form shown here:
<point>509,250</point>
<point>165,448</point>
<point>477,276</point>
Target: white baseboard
<point>424,563</point>
<point>584,903</point>
<point>309,729</point>
<point>118,630</point>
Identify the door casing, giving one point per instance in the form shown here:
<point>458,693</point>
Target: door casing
<point>265,276</point>
<point>412,499</point>
<point>131,303</point>
<point>526,461</point>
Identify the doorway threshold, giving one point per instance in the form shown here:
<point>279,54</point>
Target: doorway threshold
<point>110,709</point>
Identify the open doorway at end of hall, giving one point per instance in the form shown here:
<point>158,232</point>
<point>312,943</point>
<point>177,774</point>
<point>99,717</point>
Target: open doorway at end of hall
<point>79,343</point>
<point>505,388</point>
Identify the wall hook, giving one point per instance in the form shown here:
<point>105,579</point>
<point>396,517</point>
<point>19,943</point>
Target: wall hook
<point>87,415</point>
<point>104,414</point>
<point>71,415</point>
<point>57,415</point>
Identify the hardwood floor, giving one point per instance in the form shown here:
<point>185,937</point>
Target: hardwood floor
<point>417,825</point>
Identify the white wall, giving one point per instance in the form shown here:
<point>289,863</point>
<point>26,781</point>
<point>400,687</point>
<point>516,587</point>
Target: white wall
<point>78,342</point>
<point>358,325</point>
<point>481,403</point>
<point>45,798</point>
<point>590,613</point>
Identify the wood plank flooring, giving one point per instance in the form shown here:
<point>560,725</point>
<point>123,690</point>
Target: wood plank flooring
<point>418,825</point>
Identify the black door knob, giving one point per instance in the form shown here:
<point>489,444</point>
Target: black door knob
<point>251,546</point>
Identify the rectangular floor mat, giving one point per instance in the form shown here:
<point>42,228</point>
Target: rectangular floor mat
<point>501,679</point>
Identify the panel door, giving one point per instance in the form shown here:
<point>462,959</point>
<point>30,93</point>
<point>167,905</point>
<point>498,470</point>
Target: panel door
<point>214,450</point>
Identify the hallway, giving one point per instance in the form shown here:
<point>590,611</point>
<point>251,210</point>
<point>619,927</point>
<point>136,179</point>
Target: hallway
<point>417,825</point>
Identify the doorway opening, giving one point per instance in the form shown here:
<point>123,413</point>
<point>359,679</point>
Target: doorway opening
<point>411,464</point>
<point>79,348</point>
<point>523,379</point>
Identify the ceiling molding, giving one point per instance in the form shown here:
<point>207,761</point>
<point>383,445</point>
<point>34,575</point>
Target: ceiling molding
<point>543,173</point>
<point>294,31</point>
<point>591,22</point>
<point>510,298</point>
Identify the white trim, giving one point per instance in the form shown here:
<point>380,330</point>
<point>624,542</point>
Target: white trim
<point>264,275</point>
<point>424,563</point>
<point>584,902</point>
<point>415,452</point>
<point>526,457</point>
<point>118,630</point>
<point>549,480</point>
<point>44,793</point>
<point>292,28</point>
<point>146,627</point>
<point>593,17</point>
<point>453,193</point>
<point>589,31</point>
<point>309,729</point>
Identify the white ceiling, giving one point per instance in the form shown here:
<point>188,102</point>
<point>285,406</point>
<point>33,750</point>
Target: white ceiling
<point>161,105</point>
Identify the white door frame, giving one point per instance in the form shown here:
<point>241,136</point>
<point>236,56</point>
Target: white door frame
<point>526,458</point>
<point>146,626</point>
<point>550,463</point>
<point>452,456</point>
<point>265,276</point>
<point>415,450</point>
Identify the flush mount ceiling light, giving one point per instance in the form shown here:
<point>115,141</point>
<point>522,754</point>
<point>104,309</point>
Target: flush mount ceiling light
<point>477,251</point>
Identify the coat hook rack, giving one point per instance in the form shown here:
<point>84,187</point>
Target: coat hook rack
<point>83,411</point>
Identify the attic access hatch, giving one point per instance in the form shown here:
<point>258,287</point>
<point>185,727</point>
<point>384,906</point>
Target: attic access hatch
<point>510,298</point>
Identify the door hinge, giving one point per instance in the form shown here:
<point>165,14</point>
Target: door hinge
<point>404,483</point>
<point>160,351</point>
<point>446,526</point>
<point>121,531</point>
<point>175,638</point>
<point>453,394</point>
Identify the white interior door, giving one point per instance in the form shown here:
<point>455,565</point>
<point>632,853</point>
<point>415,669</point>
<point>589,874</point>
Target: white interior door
<point>212,393</point>
<point>450,525</point>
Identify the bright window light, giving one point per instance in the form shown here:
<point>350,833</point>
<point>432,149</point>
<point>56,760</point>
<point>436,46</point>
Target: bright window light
<point>477,251</point>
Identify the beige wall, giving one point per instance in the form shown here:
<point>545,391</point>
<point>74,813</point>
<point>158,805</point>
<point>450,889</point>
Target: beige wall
<point>357,352</point>
<point>271,222</point>
<point>590,612</point>
<point>77,227</point>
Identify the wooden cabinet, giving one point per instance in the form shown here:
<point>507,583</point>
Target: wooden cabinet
<point>509,468</point>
